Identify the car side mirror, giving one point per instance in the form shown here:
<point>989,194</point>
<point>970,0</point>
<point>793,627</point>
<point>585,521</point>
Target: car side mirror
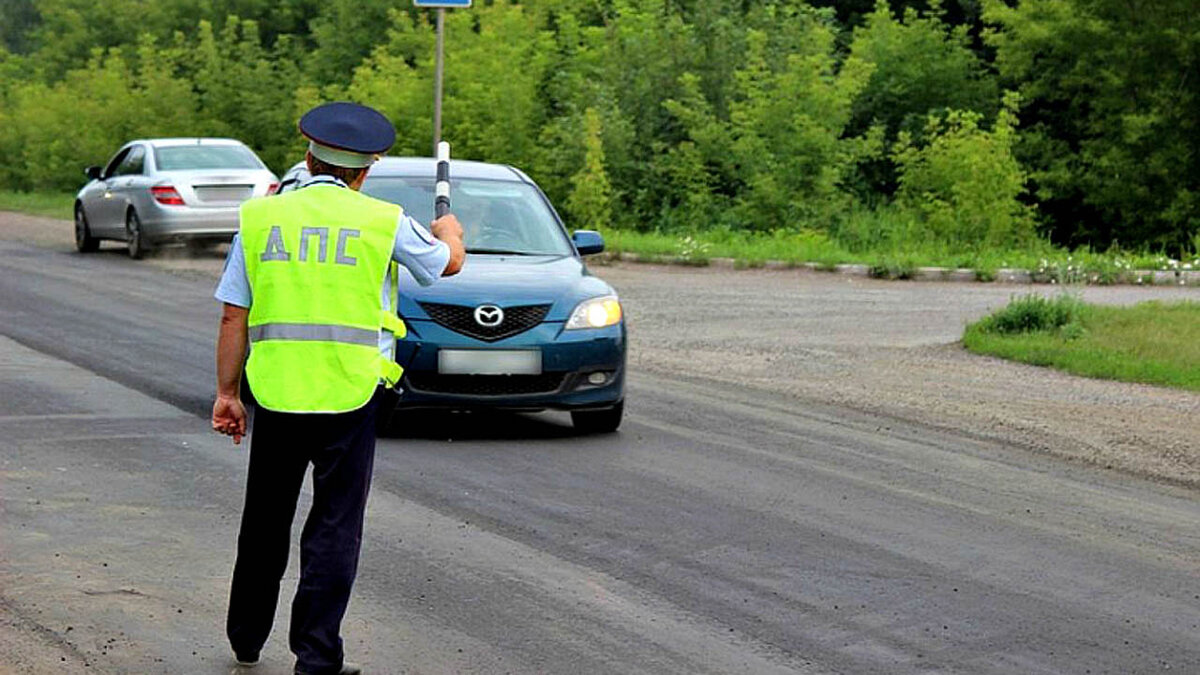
<point>92,172</point>
<point>588,242</point>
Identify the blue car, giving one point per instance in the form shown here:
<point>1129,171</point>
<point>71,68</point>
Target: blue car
<point>524,326</point>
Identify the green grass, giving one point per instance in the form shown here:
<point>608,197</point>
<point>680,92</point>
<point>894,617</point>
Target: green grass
<point>896,258</point>
<point>1152,342</point>
<point>52,204</point>
<point>750,249</point>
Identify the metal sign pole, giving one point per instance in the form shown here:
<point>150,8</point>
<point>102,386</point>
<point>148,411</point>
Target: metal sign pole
<point>439,68</point>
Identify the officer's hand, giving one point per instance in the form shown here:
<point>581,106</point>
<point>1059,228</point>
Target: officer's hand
<point>229,417</point>
<point>447,227</point>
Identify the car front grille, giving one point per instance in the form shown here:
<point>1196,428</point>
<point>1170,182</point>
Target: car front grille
<point>485,385</point>
<point>461,319</point>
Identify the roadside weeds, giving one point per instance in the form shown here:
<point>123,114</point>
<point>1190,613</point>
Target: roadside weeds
<point>1017,276</point>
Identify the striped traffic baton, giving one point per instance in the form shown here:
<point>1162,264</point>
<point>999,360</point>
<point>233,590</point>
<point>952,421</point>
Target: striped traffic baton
<point>441,201</point>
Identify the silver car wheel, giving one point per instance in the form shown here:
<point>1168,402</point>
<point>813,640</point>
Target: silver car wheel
<point>84,241</point>
<point>133,235</point>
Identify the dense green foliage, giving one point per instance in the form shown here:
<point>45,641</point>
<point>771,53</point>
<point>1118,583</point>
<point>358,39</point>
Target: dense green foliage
<point>1151,342</point>
<point>1112,120</point>
<point>966,125</point>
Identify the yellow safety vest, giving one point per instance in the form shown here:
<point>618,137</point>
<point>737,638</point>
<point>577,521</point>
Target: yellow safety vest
<point>317,259</point>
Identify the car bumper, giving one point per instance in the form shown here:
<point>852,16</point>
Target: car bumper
<point>162,224</point>
<point>568,359</point>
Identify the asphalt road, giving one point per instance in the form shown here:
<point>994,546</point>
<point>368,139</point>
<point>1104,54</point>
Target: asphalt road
<point>725,529</point>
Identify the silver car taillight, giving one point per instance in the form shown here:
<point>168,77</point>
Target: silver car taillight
<point>166,194</point>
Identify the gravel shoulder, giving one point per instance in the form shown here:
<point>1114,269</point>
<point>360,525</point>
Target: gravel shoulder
<point>884,347</point>
<point>892,348</point>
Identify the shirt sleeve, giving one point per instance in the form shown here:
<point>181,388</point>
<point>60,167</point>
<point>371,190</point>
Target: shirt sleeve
<point>419,251</point>
<point>234,287</point>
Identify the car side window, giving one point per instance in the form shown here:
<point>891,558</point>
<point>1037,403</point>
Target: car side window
<point>133,162</point>
<point>110,169</point>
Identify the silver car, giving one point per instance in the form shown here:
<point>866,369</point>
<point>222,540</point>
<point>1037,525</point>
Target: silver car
<point>167,190</point>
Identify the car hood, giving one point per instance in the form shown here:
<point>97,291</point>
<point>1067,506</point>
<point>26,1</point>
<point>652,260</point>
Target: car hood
<point>560,281</point>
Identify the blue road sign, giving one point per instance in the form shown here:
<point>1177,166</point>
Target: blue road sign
<point>442,3</point>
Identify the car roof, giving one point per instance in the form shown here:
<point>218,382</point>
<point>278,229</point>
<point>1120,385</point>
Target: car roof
<point>165,142</point>
<point>427,167</point>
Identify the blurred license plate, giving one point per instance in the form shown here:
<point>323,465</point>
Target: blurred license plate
<point>489,362</point>
<point>224,193</point>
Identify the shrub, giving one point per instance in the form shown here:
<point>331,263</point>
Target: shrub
<point>1032,313</point>
<point>965,184</point>
<point>921,64</point>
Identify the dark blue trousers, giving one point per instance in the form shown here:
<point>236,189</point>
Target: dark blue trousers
<point>341,449</point>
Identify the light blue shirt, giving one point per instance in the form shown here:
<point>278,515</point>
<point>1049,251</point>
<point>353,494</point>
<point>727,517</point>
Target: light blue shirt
<point>415,249</point>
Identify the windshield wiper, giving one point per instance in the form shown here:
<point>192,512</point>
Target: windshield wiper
<point>500,251</point>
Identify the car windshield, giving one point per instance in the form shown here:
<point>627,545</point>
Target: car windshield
<point>498,217</point>
<point>189,157</point>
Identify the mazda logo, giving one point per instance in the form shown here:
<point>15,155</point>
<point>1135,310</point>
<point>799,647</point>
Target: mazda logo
<point>489,316</point>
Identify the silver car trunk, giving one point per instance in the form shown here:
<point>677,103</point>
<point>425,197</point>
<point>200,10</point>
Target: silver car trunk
<point>208,188</point>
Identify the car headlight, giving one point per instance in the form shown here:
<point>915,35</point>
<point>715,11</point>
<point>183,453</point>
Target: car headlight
<point>595,313</point>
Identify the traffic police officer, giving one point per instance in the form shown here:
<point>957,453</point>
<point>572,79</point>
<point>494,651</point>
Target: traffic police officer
<point>311,282</point>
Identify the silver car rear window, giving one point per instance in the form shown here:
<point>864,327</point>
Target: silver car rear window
<point>190,157</point>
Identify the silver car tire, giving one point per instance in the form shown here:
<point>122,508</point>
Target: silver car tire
<point>84,241</point>
<point>134,237</point>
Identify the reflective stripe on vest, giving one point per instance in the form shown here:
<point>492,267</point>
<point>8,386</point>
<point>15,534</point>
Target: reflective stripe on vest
<point>316,332</point>
<point>316,260</point>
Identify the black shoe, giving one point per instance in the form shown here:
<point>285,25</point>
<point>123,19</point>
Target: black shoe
<point>246,660</point>
<point>347,669</point>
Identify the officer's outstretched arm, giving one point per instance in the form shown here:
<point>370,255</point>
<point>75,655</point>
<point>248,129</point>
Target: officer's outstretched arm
<point>229,415</point>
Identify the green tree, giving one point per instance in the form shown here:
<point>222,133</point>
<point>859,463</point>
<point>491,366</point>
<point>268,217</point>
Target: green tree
<point>590,201</point>
<point>578,78</point>
<point>922,65</point>
<point>1110,130</point>
<point>398,80</point>
<point>782,155</point>
<point>18,18</point>
<point>648,47</point>
<point>165,102</point>
<point>698,175</point>
<point>965,185</point>
<point>345,31</point>
<point>63,127</point>
<point>246,91</point>
<point>495,62</point>
<point>68,31</point>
